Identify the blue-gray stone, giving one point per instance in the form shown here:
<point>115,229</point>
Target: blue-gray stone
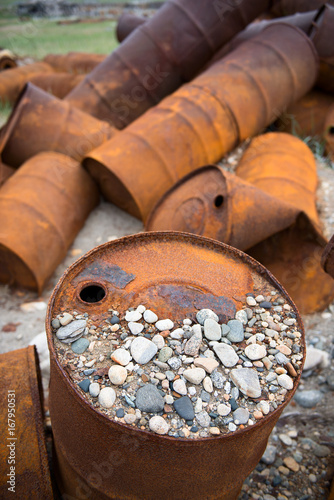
<point>236,333</point>
<point>308,399</point>
<point>218,379</point>
<point>266,304</point>
<point>84,384</point>
<point>114,320</point>
<point>120,413</point>
<point>149,399</point>
<point>204,314</point>
<point>80,346</point>
<point>205,396</point>
<point>225,330</point>
<point>129,401</point>
<point>184,408</point>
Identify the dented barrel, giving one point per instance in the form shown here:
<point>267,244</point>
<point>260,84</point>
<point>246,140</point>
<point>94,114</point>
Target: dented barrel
<point>42,208</point>
<point>5,172</point>
<point>94,454</point>
<point>40,122</point>
<point>126,24</point>
<point>233,100</point>
<point>76,63</point>
<point>158,57</point>
<point>57,84</point>
<point>267,209</point>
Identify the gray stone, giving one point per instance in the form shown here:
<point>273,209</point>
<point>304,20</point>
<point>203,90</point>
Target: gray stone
<point>315,357</point>
<point>150,316</point>
<point>281,358</point>
<point>218,379</point>
<point>71,332</point>
<point>308,399</point>
<point>55,323</point>
<point>79,346</point>
<point>330,381</point>
<point>107,397</point>
<point>164,324</point>
<point>241,416</point>
<point>204,314</point>
<point>175,363</point>
<point>226,354</point>
<point>143,350</point>
<point>212,329</point>
<point>165,354</point>
<point>203,418</point>
<point>84,384</point>
<point>269,456</point>
<point>236,333</point>
<point>192,346</point>
<point>184,408</point>
<point>247,380</point>
<point>149,399</point>
<point>242,316</point>
<point>225,330</point>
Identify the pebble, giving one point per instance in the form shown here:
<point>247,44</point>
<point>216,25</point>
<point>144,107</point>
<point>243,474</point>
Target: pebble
<point>330,381</point>
<point>269,455</point>
<point>130,418</point>
<point>212,330</point>
<point>285,381</point>
<point>177,334</point>
<point>315,357</point>
<point>121,356</point>
<point>208,364</point>
<point>232,427</point>
<point>264,407</point>
<point>251,301</point>
<point>114,320</point>
<point>203,418</point>
<point>242,316</point>
<point>149,399</point>
<point>207,385</point>
<point>84,384</point>
<point>150,316</point>
<point>180,387</point>
<point>204,314</point>
<point>255,351</point>
<point>223,410</point>
<point>226,354</point>
<point>184,408</point>
<point>192,346</point>
<point>71,332</point>
<point>132,316</point>
<point>158,425</point>
<point>236,333</point>
<point>175,363</point>
<point>225,330</point>
<point>194,375</point>
<point>94,389</point>
<point>165,354</point>
<point>286,439</point>
<point>107,397</point>
<point>55,323</point>
<point>291,464</point>
<point>308,398</point>
<point>135,328</point>
<point>218,379</point>
<point>164,324</point>
<point>247,381</point>
<point>240,416</point>
<point>117,374</point>
<point>79,346</point>
<point>143,350</point>
<point>65,319</point>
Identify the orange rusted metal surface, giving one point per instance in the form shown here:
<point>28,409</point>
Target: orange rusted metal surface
<point>233,100</point>
<point>267,209</point>
<point>57,84</point>
<point>5,172</point>
<point>329,132</point>
<point>307,116</point>
<point>328,257</point>
<point>42,208</point>
<point>152,269</point>
<point>158,57</point>
<point>126,24</point>
<point>40,122</point>
<point>24,471</point>
<point>288,7</point>
<point>13,80</point>
<point>74,62</point>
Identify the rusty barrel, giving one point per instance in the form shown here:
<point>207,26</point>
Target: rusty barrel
<point>57,84</point>
<point>234,99</point>
<point>24,470</point>
<point>13,80</point>
<point>40,122</point>
<point>267,209</point>
<point>329,132</point>
<point>42,208</point>
<point>5,172</point>
<point>96,456</point>
<point>74,62</point>
<point>158,57</point>
<point>288,7</point>
<point>126,24</point>
<point>328,257</point>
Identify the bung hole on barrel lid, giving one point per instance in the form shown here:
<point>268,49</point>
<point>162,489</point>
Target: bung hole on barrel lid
<point>92,293</point>
<point>218,201</point>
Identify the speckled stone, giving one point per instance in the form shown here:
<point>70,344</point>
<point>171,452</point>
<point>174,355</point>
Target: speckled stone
<point>143,350</point>
<point>158,425</point>
<point>255,351</point>
<point>226,354</point>
<point>192,346</point>
<point>165,354</point>
<point>204,314</point>
<point>212,330</point>
<point>240,416</point>
<point>236,333</point>
<point>203,418</point>
<point>247,381</point>
<point>149,399</point>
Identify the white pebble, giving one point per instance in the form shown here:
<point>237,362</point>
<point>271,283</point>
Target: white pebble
<point>207,385</point>
<point>255,351</point>
<point>94,389</point>
<point>285,381</point>
<point>150,316</point>
<point>180,387</point>
<point>135,328</point>
<point>130,418</point>
<point>133,316</point>
<point>117,374</point>
<point>159,341</point>
<point>141,309</point>
<point>251,301</point>
<point>194,375</point>
<point>121,356</point>
<point>164,324</point>
<point>65,319</point>
<point>107,397</point>
<point>158,425</point>
<point>223,410</point>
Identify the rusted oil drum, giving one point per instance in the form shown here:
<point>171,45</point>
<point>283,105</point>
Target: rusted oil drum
<point>74,62</point>
<point>126,24</point>
<point>176,274</point>
<point>57,84</point>
<point>42,208</point>
<point>13,80</point>
<point>328,257</point>
<point>233,100</point>
<point>41,122</point>
<point>321,34</point>
<point>329,132</point>
<point>267,209</point>
<point>5,172</point>
<point>158,58</point>
<point>24,468</point>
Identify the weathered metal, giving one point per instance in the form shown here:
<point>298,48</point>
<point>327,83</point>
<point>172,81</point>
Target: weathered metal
<point>321,34</point>
<point>329,132</point>
<point>7,59</point>
<point>40,122</point>
<point>5,172</point>
<point>23,446</point>
<point>307,117</point>
<point>126,24</point>
<point>42,208</point>
<point>327,260</point>
<point>57,84</point>
<point>13,80</point>
<point>166,51</point>
<point>267,209</point>
<point>289,7</point>
<point>233,100</point>
<point>74,62</point>
<point>177,274</point>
